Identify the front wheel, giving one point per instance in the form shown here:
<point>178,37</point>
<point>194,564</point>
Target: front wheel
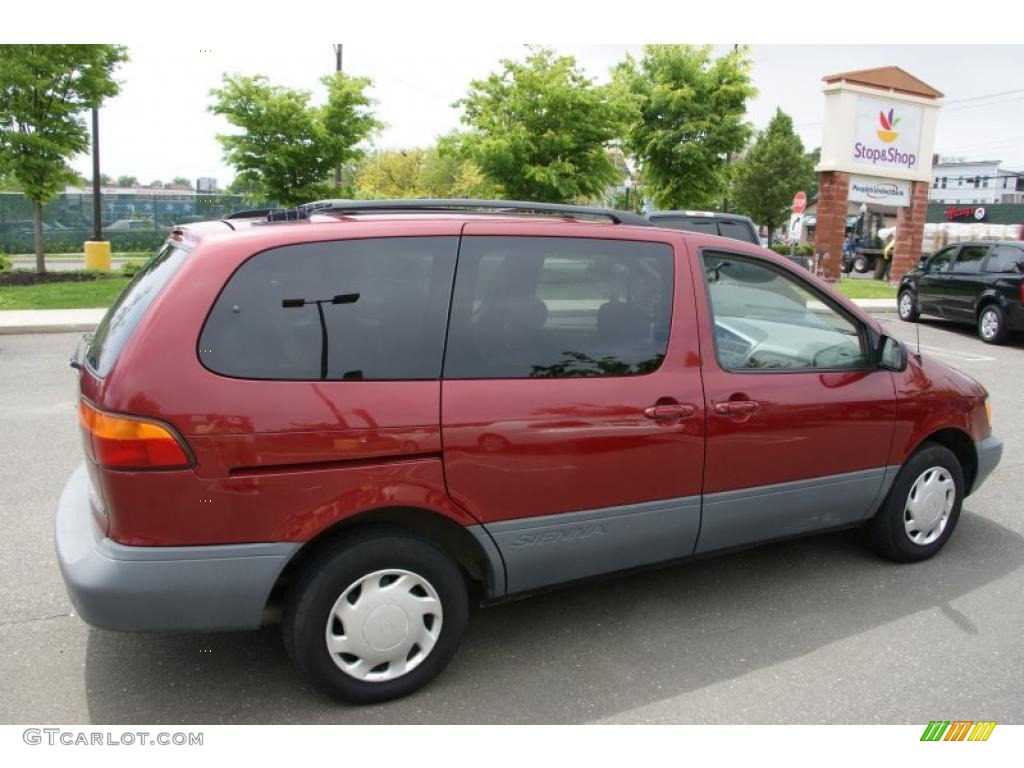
<point>992,325</point>
<point>908,307</point>
<point>922,508</point>
<point>376,617</point>
<point>860,265</point>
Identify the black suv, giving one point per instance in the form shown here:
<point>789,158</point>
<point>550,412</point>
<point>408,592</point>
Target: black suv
<point>978,282</point>
<point>710,223</point>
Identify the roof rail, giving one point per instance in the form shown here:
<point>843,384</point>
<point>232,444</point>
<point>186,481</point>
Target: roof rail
<point>301,212</point>
<point>255,213</point>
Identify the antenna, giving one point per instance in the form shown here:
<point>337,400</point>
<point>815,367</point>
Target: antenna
<point>917,328</point>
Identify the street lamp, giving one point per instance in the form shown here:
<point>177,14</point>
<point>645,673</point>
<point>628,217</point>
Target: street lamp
<point>97,250</point>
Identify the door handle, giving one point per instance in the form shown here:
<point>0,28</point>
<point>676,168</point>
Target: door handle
<point>670,411</point>
<point>736,407</point>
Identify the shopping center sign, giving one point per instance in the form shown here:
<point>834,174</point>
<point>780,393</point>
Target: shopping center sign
<point>887,134</point>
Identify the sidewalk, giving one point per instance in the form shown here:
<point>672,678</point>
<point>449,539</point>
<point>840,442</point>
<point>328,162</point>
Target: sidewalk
<point>49,320</point>
<point>68,320</point>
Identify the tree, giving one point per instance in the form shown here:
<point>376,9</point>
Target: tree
<point>181,181</point>
<point>44,91</point>
<point>773,170</point>
<point>156,184</point>
<point>287,146</point>
<point>393,174</point>
<point>814,157</point>
<point>687,118</point>
<point>539,129</point>
<point>127,181</point>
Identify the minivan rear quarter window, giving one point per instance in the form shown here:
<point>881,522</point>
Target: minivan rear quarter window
<point>119,323</point>
<point>370,309</point>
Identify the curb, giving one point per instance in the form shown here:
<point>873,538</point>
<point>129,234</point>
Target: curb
<point>13,330</point>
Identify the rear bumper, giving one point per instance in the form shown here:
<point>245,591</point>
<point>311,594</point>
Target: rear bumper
<point>155,589</point>
<point>990,451</point>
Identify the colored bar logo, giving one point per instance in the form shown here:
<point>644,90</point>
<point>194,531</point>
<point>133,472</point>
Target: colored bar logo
<point>958,730</point>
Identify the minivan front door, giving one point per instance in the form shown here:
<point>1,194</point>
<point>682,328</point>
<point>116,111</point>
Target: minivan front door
<point>572,409</point>
<point>799,421</point>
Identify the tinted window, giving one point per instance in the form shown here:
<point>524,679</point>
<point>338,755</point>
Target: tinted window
<point>538,307</point>
<point>120,321</point>
<point>384,304</point>
<point>706,226</point>
<point>1003,258</point>
<point>940,261</point>
<point>765,320</point>
<point>738,230</point>
<point>969,259</point>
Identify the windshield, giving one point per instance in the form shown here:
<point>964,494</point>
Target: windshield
<point>122,318</point>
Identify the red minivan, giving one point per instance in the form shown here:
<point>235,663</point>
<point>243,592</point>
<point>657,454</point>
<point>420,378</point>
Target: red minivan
<point>371,414</point>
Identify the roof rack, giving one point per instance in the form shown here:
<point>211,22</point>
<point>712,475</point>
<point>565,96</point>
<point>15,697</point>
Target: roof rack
<point>255,213</point>
<point>301,212</point>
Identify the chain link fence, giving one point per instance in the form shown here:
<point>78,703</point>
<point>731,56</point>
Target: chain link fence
<point>132,221</point>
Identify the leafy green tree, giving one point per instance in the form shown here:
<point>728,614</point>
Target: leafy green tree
<point>44,91</point>
<point>774,169</point>
<point>182,181</point>
<point>539,128</point>
<point>391,174</point>
<point>287,146</point>
<point>127,181</point>
<point>814,157</point>
<point>687,118</point>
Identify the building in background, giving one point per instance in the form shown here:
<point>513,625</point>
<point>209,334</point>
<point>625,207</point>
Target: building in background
<point>980,182</point>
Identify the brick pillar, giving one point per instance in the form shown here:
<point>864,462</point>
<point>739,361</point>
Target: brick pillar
<point>909,232</point>
<point>830,228</point>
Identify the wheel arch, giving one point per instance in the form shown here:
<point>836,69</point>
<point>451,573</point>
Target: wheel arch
<point>987,298</point>
<point>474,552</point>
<point>962,446</point>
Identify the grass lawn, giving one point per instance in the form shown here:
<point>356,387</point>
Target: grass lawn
<point>71,295</point>
<point>865,289</point>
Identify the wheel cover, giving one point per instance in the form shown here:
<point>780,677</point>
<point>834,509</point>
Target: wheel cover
<point>906,305</point>
<point>929,505</point>
<point>384,625</point>
<point>989,323</point>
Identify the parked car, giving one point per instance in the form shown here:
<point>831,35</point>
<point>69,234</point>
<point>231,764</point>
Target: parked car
<point>131,225</point>
<point>372,417</point>
<point>979,282</point>
<point>710,223</point>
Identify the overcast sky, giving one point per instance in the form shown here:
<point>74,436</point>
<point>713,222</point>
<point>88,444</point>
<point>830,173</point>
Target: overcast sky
<point>159,127</point>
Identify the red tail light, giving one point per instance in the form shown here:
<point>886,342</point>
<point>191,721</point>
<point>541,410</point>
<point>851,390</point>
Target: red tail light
<point>128,442</point>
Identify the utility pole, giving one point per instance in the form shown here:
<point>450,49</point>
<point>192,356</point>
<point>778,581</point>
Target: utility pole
<point>337,68</point>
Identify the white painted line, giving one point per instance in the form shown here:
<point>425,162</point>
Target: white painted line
<point>954,354</point>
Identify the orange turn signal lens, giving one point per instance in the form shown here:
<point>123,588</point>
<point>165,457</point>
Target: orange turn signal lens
<point>127,442</point>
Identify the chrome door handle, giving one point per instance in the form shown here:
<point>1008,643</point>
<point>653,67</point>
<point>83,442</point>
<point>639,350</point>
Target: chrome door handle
<point>736,407</point>
<point>670,411</point>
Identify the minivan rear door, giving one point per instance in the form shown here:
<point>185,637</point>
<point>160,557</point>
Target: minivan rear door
<point>572,406</point>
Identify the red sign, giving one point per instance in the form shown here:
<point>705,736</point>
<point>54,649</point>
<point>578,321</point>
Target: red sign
<point>799,202</point>
<point>953,213</point>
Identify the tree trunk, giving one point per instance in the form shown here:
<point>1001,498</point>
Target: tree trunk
<point>37,231</point>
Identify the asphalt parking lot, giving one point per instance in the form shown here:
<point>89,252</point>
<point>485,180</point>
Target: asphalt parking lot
<point>810,631</point>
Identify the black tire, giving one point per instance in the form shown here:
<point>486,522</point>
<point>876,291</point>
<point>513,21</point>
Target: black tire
<point>910,312</point>
<point>992,324</point>
<point>886,532</point>
<point>846,267</point>
<point>312,598</point>
<point>860,265</point>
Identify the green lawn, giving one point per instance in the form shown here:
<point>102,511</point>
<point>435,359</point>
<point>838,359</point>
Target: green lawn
<point>71,295</point>
<point>865,289</point>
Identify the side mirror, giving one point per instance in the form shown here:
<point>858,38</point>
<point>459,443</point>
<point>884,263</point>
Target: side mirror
<point>891,354</point>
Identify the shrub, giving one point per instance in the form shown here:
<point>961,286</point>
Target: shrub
<point>131,268</point>
<point>5,263</point>
<point>799,250</point>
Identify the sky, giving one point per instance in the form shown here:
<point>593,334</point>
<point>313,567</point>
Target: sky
<point>159,126</point>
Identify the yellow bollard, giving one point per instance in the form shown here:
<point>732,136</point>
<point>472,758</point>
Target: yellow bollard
<point>97,254</point>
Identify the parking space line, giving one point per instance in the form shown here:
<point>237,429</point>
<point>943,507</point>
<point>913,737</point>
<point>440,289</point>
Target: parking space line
<point>956,354</point>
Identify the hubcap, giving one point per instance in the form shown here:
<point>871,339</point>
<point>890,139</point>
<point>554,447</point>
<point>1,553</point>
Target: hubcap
<point>906,305</point>
<point>384,625</point>
<point>989,324</point>
<point>929,504</point>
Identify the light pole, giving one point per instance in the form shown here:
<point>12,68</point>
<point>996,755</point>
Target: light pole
<point>97,250</point>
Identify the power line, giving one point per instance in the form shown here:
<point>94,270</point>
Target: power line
<point>985,96</point>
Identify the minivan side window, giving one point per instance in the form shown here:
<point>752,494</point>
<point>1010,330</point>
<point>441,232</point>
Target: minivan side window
<point>556,307</point>
<point>372,309</point>
<point>940,261</point>
<point>1003,258</point>
<point>969,259</point>
<point>764,319</point>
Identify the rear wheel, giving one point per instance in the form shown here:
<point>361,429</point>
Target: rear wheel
<point>908,307</point>
<point>992,324</point>
<point>376,617</point>
<point>860,265</point>
<point>922,508</point>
